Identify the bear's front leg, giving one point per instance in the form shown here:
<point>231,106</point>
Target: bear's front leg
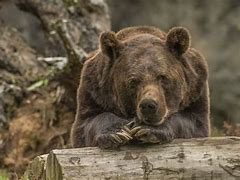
<point>104,130</point>
<point>114,139</point>
<point>149,134</point>
<point>152,134</point>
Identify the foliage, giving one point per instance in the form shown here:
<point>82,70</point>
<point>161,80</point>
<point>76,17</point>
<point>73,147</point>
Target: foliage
<point>3,175</point>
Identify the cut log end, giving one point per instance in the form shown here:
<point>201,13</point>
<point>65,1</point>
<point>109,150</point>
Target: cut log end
<point>206,158</point>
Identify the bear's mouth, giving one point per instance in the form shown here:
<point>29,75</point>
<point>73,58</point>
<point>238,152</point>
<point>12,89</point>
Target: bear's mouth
<point>152,120</point>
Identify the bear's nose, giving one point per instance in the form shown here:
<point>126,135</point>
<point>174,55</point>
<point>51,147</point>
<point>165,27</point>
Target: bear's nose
<point>148,106</point>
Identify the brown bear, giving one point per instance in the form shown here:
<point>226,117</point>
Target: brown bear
<point>142,85</point>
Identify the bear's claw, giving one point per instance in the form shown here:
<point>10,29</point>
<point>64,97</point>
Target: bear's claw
<point>131,124</point>
<point>116,139</point>
<point>122,136</point>
<point>125,128</point>
<point>146,136</point>
<point>142,132</point>
<point>135,130</point>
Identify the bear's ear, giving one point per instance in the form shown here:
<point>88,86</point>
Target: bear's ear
<point>178,40</point>
<point>109,44</point>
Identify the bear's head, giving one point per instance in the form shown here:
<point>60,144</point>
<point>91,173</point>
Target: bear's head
<point>151,75</point>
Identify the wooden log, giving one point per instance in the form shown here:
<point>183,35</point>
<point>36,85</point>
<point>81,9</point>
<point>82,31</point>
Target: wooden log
<point>206,158</point>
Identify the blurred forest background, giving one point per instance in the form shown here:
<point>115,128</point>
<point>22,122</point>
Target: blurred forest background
<point>38,83</point>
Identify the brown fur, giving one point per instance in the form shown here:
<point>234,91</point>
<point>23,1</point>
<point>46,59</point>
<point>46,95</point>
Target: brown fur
<point>142,63</point>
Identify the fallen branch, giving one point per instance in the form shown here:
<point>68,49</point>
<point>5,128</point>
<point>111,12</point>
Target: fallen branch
<point>71,69</point>
<point>207,158</point>
<point>75,54</point>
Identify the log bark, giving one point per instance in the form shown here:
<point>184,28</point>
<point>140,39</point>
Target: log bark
<point>207,158</point>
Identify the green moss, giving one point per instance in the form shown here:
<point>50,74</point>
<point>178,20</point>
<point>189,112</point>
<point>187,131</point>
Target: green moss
<point>37,84</point>
<point>3,175</point>
<point>215,132</point>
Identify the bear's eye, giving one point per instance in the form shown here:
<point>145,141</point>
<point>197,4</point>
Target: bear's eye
<point>162,78</point>
<point>132,84</point>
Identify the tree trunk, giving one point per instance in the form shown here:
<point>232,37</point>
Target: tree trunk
<point>207,158</point>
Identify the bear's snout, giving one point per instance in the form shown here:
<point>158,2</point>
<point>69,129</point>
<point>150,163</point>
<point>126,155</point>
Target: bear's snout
<point>151,105</point>
<point>148,107</point>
